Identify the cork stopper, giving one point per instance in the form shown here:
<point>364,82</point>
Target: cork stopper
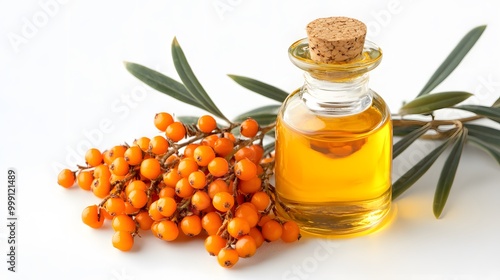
<point>335,39</point>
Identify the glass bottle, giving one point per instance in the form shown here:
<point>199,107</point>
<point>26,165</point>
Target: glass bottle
<point>334,143</point>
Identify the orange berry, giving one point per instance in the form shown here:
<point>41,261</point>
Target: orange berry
<point>84,180</point>
<point>272,230</point>
<point>259,152</point>
<point>166,206</point>
<point>291,232</point>
<point>187,166</point>
<point>116,152</point>
<point>245,152</point>
<point>130,209</point>
<point>245,169</point>
<point>153,211</point>
<point>246,246</point>
<point>158,145</point>
<point>167,192</point>
<point>249,128</point>
<point>150,168</point>
<point>189,150</point>
<point>217,186</point>
<point>91,217</point>
<point>191,225</point>
<point>203,155</point>
<point>93,157</point>
<point>263,220</point>
<point>66,178</point>
<point>102,171</point>
<point>183,188</point>
<point>261,200</point>
<point>167,230</point>
<point>218,166</point>
<point>171,177</point>
<point>119,166</point>
<point>223,201</point>
<point>135,185</point>
<point>144,220</point>
<point>200,200</point>
<point>211,222</point>
<point>227,257</point>
<point>214,243</point>
<point>207,124</point>
<point>123,240</point>
<point>257,236</point>
<point>115,206</point>
<point>250,186</point>
<point>124,223</point>
<point>210,140</point>
<point>197,179</point>
<point>163,120</point>
<point>143,143</point>
<point>223,146</point>
<point>238,227</point>
<point>176,131</point>
<point>138,198</point>
<point>247,212</point>
<point>101,187</point>
<point>230,136</point>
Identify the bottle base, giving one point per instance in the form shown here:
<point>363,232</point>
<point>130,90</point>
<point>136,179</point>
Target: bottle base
<point>339,219</point>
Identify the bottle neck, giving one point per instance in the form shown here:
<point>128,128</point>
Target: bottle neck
<point>337,98</point>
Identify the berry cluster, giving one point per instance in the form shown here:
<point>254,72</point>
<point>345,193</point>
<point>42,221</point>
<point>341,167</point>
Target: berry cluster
<point>191,179</point>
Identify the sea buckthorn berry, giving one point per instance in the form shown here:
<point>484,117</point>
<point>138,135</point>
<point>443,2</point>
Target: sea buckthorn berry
<point>102,171</point>
<point>272,230</point>
<point>249,128</point>
<point>123,222</point>
<point>200,200</point>
<point>247,212</point>
<point>191,225</point>
<point>259,152</point>
<point>245,152</point>
<point>246,246</point>
<point>143,143</point>
<point>138,198</point>
<point>189,150</point>
<point>93,157</point>
<point>217,186</point>
<point>197,179</point>
<point>176,131</point>
<point>119,166</point>
<point>106,158</point>
<point>135,185</point>
<point>91,217</point>
<point>238,227</point>
<point>166,206</point>
<point>123,240</point>
<point>227,257</point>
<point>143,220</point>
<point>207,124</point>
<point>214,243</point>
<point>133,155</point>
<point>158,145</point>
<point>130,209</point>
<point>101,187</point>
<point>167,230</point>
<point>211,222</point>
<point>257,236</point>
<point>203,155</point>
<point>223,147</point>
<point>229,136</point>
<point>153,211</point>
<point>183,188</point>
<point>187,166</point>
<point>250,186</point>
<point>218,167</point>
<point>105,214</point>
<point>261,200</point>
<point>223,201</point>
<point>115,206</point>
<point>66,178</point>
<point>150,168</point>
<point>163,120</point>
<point>167,192</point>
<point>210,140</point>
<point>245,169</point>
<point>291,232</point>
<point>263,220</point>
<point>84,180</point>
<point>116,152</point>
<point>171,177</point>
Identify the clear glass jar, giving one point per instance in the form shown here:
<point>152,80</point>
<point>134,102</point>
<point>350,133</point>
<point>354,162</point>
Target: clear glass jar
<point>334,147</point>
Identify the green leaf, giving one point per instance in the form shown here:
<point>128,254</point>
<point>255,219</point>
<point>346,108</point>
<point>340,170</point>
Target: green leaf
<point>269,109</point>
<point>406,141</point>
<point>260,88</point>
<point>412,175</point>
<point>162,83</point>
<point>404,130</point>
<point>496,104</point>
<point>268,148</point>
<point>191,82</point>
<point>448,174</point>
<point>188,119</point>
<point>487,148</point>
<point>489,112</point>
<point>430,102</point>
<point>453,59</point>
<point>485,134</point>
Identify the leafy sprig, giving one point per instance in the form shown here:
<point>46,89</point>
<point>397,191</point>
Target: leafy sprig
<point>407,123</point>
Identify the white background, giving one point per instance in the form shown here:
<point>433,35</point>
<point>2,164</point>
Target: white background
<point>62,77</point>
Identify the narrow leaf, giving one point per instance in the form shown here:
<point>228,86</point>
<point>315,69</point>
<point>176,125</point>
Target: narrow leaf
<point>430,102</point>
<point>191,82</point>
<point>484,133</point>
<point>162,83</point>
<point>406,141</point>
<point>489,112</point>
<point>403,130</point>
<point>487,148</point>
<point>448,174</point>
<point>260,88</point>
<point>188,119</point>
<point>269,109</point>
<point>453,59</point>
<point>496,104</point>
<point>412,175</point>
